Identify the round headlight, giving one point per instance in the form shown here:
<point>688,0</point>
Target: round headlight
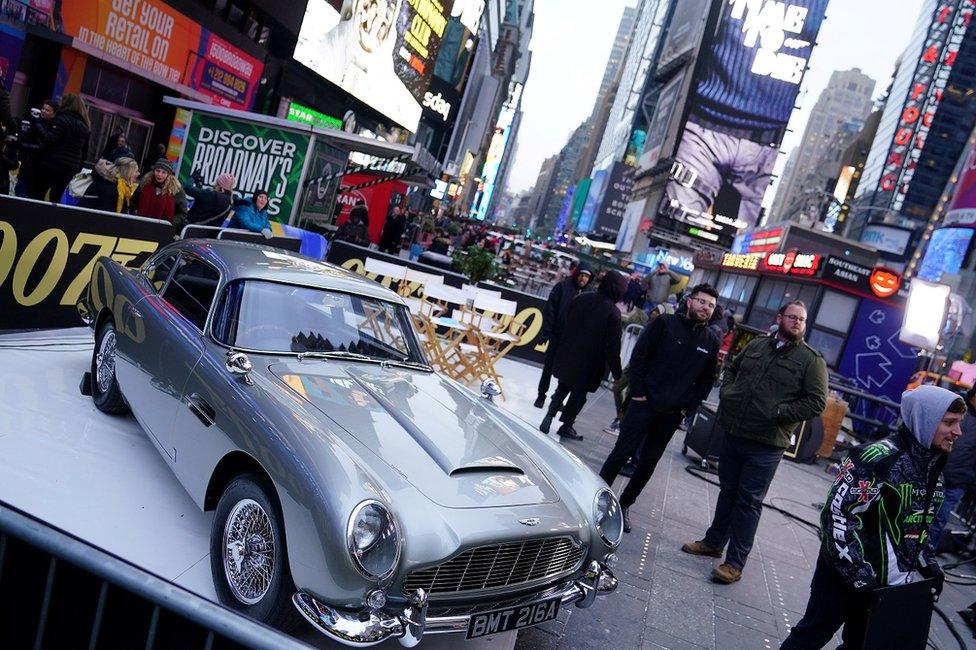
<point>608,517</point>
<point>373,540</point>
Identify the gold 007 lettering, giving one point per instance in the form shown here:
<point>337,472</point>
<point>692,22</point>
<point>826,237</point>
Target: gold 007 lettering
<point>19,268</point>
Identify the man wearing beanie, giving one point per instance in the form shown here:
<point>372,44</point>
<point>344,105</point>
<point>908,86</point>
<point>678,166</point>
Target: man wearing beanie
<point>210,207</point>
<point>876,520</point>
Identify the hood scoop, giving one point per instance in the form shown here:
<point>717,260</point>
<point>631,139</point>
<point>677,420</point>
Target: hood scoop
<point>493,464</point>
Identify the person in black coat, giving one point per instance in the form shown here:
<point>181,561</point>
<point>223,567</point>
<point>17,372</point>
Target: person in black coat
<point>959,472</point>
<point>64,145</point>
<point>554,321</point>
<point>112,186</point>
<point>355,230</point>
<point>590,344</point>
<point>672,369</point>
<point>393,228</point>
<point>29,143</point>
<point>210,206</point>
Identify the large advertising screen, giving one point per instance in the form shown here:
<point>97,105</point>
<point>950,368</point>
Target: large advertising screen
<point>746,80</point>
<point>380,51</point>
<point>962,208</point>
<point>153,39</point>
<point>946,253</point>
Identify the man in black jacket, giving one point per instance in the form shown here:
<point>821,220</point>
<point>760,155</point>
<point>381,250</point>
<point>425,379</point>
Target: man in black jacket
<point>554,321</point>
<point>672,370</point>
<point>210,207</point>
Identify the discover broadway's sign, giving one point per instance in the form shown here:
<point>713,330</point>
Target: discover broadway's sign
<point>260,158</point>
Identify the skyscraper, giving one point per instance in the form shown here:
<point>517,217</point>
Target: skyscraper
<point>841,109</point>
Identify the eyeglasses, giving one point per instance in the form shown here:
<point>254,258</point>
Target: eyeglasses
<point>794,317</point>
<point>704,303</point>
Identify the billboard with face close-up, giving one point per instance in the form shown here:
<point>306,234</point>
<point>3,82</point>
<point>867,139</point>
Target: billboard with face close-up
<point>380,51</point>
<point>747,76</point>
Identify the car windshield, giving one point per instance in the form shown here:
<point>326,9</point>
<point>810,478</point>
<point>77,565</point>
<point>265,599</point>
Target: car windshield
<point>272,317</point>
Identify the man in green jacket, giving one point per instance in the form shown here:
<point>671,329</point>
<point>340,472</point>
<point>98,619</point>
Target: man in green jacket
<point>770,387</point>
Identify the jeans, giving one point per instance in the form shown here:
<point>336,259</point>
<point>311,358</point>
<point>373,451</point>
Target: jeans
<point>745,470</point>
<point>575,403</point>
<point>720,159</point>
<point>832,604</point>
<point>641,425</point>
<point>952,498</point>
<point>546,379</point>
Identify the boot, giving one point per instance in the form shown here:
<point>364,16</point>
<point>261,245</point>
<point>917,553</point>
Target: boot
<point>566,431</point>
<point>701,548</point>
<point>546,423</point>
<point>726,574</point>
<point>540,401</point>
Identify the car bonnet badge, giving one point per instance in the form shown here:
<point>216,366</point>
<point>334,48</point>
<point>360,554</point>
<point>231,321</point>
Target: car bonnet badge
<point>530,521</point>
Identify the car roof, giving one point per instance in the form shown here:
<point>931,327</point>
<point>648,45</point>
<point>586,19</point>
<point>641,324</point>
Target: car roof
<point>244,260</point>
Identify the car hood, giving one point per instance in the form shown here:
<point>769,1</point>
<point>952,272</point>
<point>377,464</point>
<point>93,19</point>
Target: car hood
<point>441,439</point>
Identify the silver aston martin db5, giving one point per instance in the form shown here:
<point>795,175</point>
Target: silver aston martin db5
<point>351,485</point>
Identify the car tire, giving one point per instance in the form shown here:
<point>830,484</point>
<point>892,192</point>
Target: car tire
<point>105,390</point>
<point>248,522</point>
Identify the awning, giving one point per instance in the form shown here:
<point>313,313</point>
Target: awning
<point>420,163</point>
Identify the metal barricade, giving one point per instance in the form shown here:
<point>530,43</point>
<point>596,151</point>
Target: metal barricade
<point>627,343</point>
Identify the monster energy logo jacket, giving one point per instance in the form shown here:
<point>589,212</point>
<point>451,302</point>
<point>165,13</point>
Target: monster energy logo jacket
<point>874,525</point>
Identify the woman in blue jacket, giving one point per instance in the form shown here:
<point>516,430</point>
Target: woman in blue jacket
<point>252,214</point>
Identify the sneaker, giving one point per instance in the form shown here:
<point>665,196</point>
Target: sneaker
<point>628,469</point>
<point>540,401</point>
<point>569,432</point>
<point>726,574</point>
<point>546,423</point>
<point>626,513</point>
<point>701,548</point>
<point>614,427</point>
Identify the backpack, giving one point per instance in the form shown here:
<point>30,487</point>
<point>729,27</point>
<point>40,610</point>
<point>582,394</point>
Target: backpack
<point>79,184</point>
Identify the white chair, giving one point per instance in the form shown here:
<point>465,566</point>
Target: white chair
<point>385,269</point>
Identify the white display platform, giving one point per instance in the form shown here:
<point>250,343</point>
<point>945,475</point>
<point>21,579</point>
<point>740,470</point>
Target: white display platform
<point>98,477</point>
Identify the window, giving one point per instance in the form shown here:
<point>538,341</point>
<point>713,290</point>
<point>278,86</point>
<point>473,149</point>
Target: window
<point>829,345</point>
<point>191,291</point>
<point>158,270</point>
<point>836,311</point>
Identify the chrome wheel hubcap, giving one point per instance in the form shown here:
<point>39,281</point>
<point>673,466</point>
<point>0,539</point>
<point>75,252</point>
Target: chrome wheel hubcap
<point>105,362</point>
<point>249,551</point>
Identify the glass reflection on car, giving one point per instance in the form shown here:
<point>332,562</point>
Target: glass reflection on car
<point>279,318</point>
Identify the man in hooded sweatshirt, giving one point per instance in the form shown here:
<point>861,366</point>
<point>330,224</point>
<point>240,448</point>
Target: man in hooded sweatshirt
<point>586,350</point>
<point>862,545</point>
<point>554,321</point>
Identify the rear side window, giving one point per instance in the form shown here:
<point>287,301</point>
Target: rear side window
<point>191,291</point>
<point>159,270</point>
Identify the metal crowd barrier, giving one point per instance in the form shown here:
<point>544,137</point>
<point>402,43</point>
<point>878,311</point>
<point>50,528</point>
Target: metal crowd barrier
<point>57,591</point>
<point>628,342</point>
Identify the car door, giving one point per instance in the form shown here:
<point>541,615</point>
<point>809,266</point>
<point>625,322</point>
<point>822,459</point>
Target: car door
<point>174,320</point>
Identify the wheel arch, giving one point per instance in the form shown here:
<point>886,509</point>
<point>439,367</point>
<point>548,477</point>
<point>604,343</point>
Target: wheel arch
<point>232,465</point>
<point>103,314</point>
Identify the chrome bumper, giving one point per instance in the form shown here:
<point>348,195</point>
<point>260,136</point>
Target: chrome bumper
<point>365,628</point>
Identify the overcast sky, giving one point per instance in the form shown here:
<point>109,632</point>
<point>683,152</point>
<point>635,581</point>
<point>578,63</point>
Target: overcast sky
<point>571,42</point>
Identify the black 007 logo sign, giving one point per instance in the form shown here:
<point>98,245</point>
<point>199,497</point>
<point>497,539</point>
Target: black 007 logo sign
<point>32,261</point>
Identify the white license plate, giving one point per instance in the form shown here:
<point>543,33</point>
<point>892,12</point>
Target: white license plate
<point>513,618</point>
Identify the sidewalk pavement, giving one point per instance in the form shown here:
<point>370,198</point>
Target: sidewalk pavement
<point>666,599</point>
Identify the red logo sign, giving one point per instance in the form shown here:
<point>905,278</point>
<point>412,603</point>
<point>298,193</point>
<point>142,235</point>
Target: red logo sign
<point>884,282</point>
<point>792,263</point>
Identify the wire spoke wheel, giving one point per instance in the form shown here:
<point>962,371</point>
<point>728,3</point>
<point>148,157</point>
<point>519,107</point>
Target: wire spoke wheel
<point>105,361</point>
<point>249,551</point>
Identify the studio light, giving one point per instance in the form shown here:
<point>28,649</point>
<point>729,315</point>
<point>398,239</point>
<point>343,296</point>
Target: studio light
<point>925,314</point>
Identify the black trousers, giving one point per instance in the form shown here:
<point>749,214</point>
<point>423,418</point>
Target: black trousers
<point>642,429</point>
<point>832,604</point>
<point>47,180</point>
<point>546,379</point>
<point>577,399</point>
<point>745,470</point>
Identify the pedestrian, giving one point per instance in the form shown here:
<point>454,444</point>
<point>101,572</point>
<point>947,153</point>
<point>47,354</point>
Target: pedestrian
<point>960,470</point>
<point>252,214</point>
<point>635,292</point>
<point>392,233</point>
<point>554,321</point>
<point>355,230</point>
<point>160,195</point>
<point>875,522</point>
<point>634,316</point>
<point>769,388</point>
<point>157,152</point>
<point>659,284</point>
<point>588,346</point>
<point>112,186</point>
<point>441,243</point>
<point>29,143</point>
<point>672,370</point>
<point>64,144</point>
<point>117,147</point>
<point>211,206</point>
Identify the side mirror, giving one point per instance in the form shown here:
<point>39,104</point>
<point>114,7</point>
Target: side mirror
<point>490,389</point>
<point>239,364</point>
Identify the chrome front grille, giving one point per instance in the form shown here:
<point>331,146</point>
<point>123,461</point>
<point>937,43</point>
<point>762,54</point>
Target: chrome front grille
<point>499,565</point>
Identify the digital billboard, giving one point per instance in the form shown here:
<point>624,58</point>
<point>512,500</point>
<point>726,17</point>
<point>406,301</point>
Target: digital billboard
<point>687,24</point>
<point>962,208</point>
<point>746,81</point>
<point>946,253</point>
<point>380,51</point>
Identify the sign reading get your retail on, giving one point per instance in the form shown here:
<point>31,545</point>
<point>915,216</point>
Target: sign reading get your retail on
<point>151,38</point>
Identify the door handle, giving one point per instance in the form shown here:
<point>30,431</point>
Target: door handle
<point>201,409</point>
<point>130,310</point>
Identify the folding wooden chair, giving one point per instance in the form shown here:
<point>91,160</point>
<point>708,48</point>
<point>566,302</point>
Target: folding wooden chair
<point>390,272</point>
<point>416,282</point>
